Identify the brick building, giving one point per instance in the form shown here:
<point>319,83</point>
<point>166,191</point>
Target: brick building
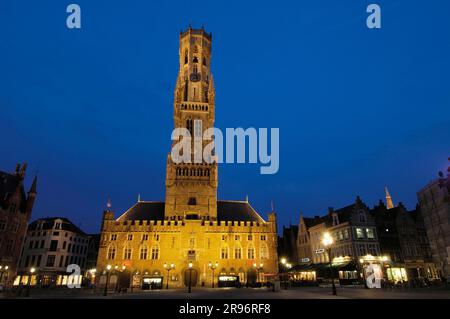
<point>16,206</point>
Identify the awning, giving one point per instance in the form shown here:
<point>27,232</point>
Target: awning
<point>347,265</point>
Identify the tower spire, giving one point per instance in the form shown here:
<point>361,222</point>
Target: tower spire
<point>389,202</point>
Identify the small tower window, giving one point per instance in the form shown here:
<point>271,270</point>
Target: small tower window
<point>195,60</point>
<point>204,61</point>
<point>185,57</point>
<point>192,201</point>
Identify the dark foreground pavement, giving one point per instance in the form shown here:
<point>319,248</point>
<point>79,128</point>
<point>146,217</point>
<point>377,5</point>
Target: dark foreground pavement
<point>244,293</point>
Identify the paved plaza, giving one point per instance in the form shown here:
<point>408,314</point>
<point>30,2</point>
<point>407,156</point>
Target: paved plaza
<point>247,293</point>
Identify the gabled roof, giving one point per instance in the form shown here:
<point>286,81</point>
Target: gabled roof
<point>48,223</point>
<point>311,222</point>
<point>226,211</point>
<point>143,210</point>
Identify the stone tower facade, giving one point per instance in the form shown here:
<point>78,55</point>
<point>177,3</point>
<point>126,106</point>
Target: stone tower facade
<point>191,238</point>
<point>191,188</point>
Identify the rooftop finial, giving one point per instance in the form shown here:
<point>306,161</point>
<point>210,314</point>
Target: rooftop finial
<point>139,197</point>
<point>272,206</point>
<point>246,198</point>
<point>108,204</point>
<point>389,203</point>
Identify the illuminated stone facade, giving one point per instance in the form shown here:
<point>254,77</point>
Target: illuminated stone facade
<point>191,226</point>
<point>15,212</point>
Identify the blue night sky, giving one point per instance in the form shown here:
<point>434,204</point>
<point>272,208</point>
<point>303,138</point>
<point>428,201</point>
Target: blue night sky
<point>91,109</point>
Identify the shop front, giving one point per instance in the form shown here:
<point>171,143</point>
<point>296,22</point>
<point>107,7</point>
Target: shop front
<point>346,271</point>
<point>374,269</point>
<point>152,282</point>
<point>396,274</point>
<point>228,281</point>
<point>303,275</point>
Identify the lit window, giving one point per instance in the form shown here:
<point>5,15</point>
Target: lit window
<point>155,253</point>
<point>359,233</point>
<point>237,253</point>
<point>251,253</point>
<point>143,253</point>
<point>370,233</point>
<point>224,253</point>
<point>127,253</point>
<point>111,253</point>
<point>264,252</point>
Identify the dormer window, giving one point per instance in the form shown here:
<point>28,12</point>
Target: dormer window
<point>362,216</point>
<point>335,219</point>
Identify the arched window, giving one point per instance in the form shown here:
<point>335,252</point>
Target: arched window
<point>127,253</point>
<point>143,253</point>
<point>204,61</point>
<point>362,216</point>
<point>264,251</point>
<point>186,57</point>
<point>189,125</point>
<point>195,60</point>
<point>155,253</point>
<point>224,252</point>
<point>238,252</point>
<point>250,252</point>
<point>111,252</point>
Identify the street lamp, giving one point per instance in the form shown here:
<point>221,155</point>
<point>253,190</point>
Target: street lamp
<point>3,269</point>
<point>168,268</point>
<point>32,271</point>
<point>286,266</point>
<point>108,269</point>
<point>213,267</point>
<point>190,277</point>
<point>327,242</point>
<point>258,269</point>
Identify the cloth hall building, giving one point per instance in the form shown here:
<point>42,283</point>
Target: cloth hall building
<point>192,238</point>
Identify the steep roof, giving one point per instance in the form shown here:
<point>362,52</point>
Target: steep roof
<point>226,211</point>
<point>311,222</point>
<point>48,224</point>
<point>237,211</point>
<point>8,186</point>
<point>144,211</point>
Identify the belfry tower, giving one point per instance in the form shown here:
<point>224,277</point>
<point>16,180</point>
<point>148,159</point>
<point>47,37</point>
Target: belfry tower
<point>191,188</point>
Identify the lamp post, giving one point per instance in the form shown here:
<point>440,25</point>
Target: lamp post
<point>32,271</point>
<point>168,268</point>
<point>92,273</point>
<point>327,242</point>
<point>190,277</point>
<point>105,291</point>
<point>286,266</point>
<point>258,269</point>
<point>283,265</point>
<point>3,269</point>
<point>213,267</point>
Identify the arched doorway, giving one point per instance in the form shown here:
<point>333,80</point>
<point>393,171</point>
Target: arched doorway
<point>252,277</point>
<point>192,276</point>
